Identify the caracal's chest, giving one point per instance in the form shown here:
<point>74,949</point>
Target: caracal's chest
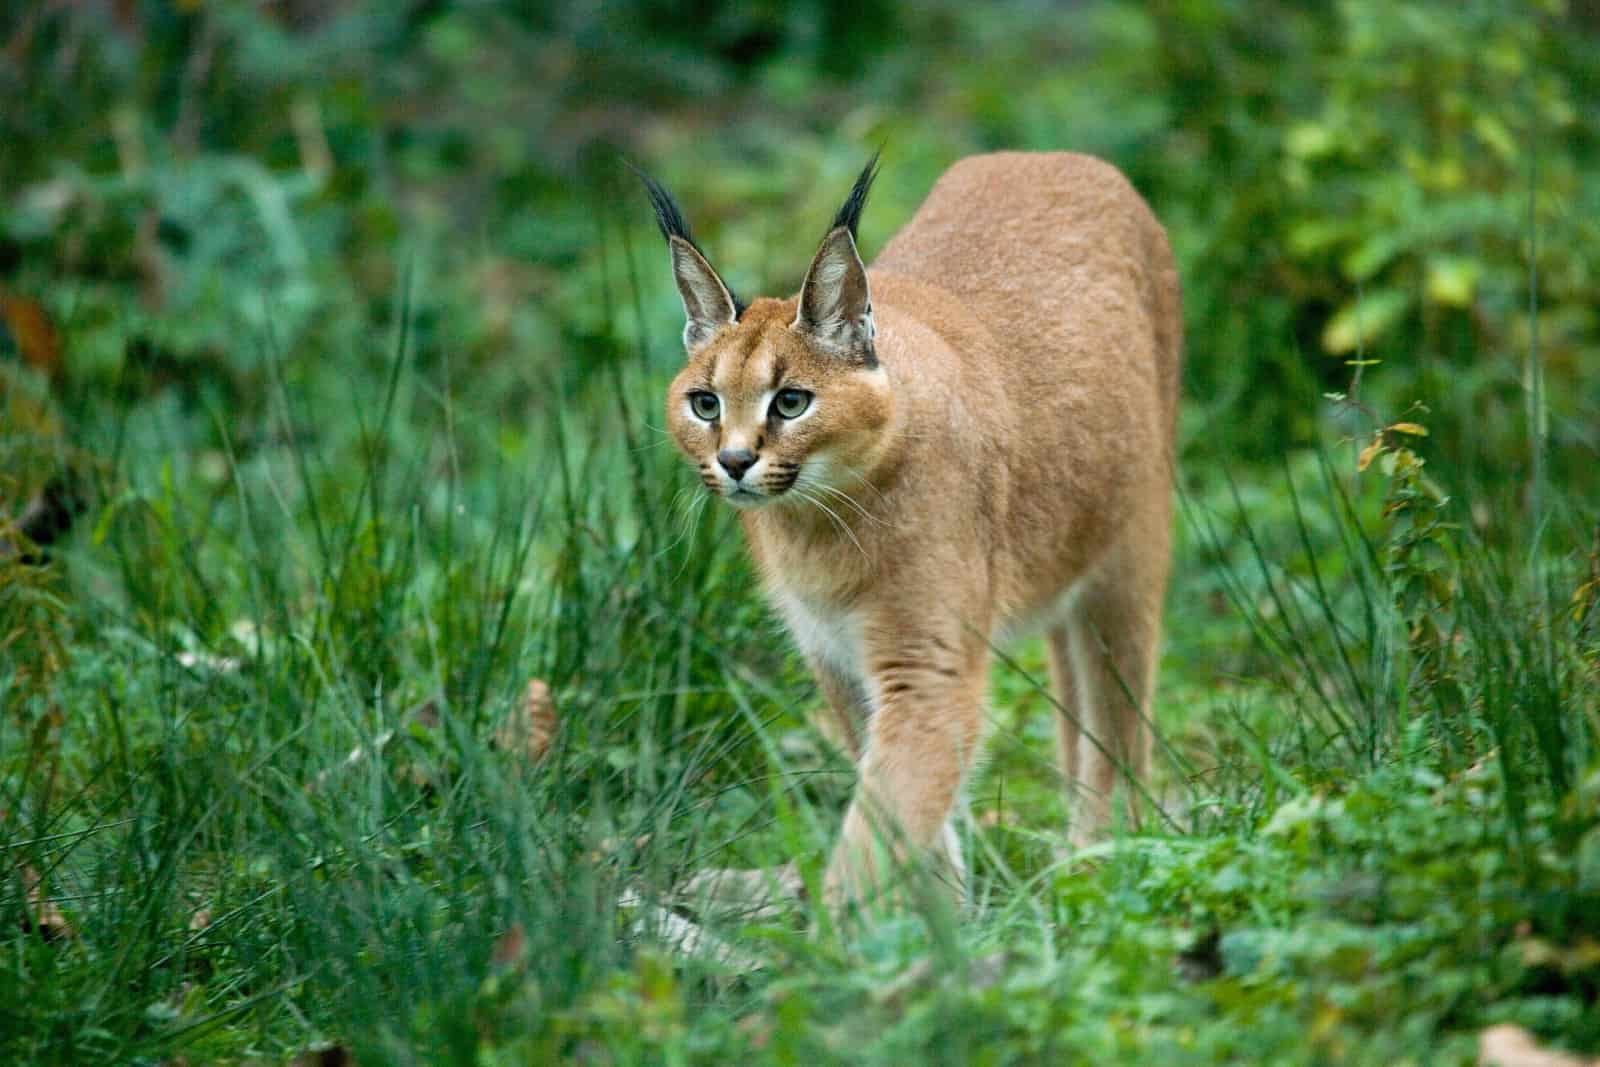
<point>823,587</point>
<point>826,632</point>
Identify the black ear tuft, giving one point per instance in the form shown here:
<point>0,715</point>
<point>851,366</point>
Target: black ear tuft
<point>669,217</point>
<point>670,220</point>
<point>849,215</point>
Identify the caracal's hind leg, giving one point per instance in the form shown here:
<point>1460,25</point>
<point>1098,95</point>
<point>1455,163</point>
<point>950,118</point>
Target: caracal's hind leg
<point>1064,684</point>
<point>1113,639</point>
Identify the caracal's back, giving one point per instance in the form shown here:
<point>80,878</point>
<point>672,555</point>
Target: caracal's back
<point>1046,248</point>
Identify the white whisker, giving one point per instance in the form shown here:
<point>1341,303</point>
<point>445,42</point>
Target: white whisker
<point>862,478</point>
<point>688,515</point>
<point>846,498</point>
<point>648,447</point>
<point>844,527</point>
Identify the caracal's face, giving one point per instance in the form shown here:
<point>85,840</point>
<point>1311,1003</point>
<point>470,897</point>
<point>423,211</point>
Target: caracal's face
<point>768,418</point>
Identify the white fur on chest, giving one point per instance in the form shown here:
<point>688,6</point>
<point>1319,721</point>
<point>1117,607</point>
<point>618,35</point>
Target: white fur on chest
<point>830,635</point>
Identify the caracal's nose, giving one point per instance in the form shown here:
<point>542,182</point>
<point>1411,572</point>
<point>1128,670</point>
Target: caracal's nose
<point>736,461</point>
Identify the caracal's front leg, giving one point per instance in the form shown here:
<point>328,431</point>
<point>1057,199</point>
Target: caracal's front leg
<point>848,707</point>
<point>928,690</point>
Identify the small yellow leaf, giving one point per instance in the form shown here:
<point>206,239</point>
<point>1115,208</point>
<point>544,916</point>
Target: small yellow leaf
<point>1412,428</point>
<point>1365,459</point>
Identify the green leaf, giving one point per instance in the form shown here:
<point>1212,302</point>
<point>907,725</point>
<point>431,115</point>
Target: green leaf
<point>1452,280</point>
<point>1363,321</point>
<point>1311,236</point>
<point>1492,132</point>
<point>1309,140</point>
<point>1373,254</point>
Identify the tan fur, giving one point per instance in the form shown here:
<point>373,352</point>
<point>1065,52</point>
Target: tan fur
<point>1006,467</point>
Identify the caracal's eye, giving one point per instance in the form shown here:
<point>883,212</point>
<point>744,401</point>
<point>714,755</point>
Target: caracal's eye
<point>791,403</point>
<point>705,405</point>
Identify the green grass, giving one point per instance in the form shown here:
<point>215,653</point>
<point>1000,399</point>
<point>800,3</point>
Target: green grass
<point>1378,757</point>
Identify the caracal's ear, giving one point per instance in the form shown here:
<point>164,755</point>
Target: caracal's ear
<point>708,304</point>
<point>835,310</point>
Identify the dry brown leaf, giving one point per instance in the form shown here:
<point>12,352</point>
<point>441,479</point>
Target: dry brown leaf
<point>1512,1046</point>
<point>511,945</point>
<point>45,918</point>
<point>1367,454</point>
<point>34,332</point>
<point>530,728</point>
<point>1415,429</point>
<point>756,1028</point>
<point>426,714</point>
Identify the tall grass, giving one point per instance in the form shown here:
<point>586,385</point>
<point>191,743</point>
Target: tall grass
<point>276,815</point>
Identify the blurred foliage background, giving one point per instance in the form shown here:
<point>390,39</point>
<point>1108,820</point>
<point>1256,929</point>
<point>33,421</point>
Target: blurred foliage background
<point>340,328</point>
<point>1414,184</point>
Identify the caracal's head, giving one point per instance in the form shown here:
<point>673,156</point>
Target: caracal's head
<point>781,400</point>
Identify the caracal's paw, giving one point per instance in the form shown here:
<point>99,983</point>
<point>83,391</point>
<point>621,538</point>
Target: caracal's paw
<point>758,893</point>
<point>876,881</point>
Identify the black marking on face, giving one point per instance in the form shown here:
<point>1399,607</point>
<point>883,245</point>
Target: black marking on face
<point>780,481</point>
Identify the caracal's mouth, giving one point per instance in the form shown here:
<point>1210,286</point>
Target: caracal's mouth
<point>766,488</point>
<point>743,497</point>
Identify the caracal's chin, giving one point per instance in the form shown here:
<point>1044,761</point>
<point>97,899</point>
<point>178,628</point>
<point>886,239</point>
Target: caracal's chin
<point>746,499</point>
